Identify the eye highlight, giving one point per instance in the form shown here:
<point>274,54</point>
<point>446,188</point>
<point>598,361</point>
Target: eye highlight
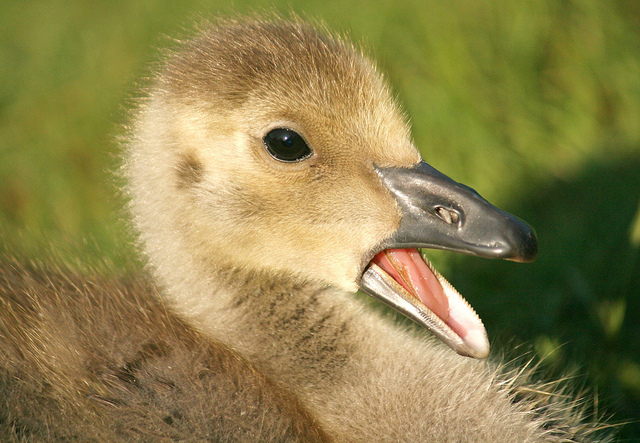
<point>286,145</point>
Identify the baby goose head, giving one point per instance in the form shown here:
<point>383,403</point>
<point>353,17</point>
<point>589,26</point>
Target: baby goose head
<point>272,148</point>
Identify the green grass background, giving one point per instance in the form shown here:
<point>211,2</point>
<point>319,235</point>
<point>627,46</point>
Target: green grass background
<point>536,104</point>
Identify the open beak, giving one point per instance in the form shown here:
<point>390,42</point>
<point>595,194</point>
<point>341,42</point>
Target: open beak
<point>439,213</point>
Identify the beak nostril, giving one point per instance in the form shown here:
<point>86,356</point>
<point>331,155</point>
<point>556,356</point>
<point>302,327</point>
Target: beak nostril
<point>448,215</point>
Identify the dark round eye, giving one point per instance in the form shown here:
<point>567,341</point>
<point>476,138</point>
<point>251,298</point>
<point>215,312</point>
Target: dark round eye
<point>286,145</point>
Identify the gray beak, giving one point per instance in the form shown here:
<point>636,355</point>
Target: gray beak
<point>439,213</point>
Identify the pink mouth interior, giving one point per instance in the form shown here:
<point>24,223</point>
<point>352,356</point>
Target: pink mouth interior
<point>408,268</point>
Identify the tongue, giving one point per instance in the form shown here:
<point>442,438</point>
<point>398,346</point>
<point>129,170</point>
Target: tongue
<point>407,267</point>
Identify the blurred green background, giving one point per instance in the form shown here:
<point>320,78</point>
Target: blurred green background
<point>536,104</point>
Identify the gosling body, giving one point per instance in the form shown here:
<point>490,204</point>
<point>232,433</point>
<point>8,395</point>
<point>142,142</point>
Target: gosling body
<point>246,327</point>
